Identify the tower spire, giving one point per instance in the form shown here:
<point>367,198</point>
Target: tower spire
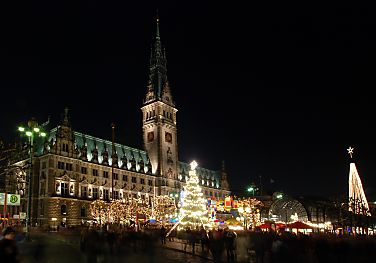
<point>157,86</point>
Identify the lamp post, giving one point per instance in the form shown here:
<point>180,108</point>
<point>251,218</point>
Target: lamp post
<point>251,189</point>
<point>32,131</point>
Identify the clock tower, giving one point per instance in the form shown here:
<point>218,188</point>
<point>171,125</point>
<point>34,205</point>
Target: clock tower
<point>159,122</point>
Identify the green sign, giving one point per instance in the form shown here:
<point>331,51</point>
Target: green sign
<point>12,199</point>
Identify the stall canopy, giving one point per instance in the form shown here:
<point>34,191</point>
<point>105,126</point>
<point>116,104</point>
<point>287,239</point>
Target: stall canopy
<point>299,225</point>
<point>267,225</point>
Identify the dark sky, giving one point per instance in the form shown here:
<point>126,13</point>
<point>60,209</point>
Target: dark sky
<point>276,91</point>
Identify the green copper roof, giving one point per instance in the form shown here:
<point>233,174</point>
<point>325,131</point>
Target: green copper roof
<point>102,145</point>
<point>202,173</point>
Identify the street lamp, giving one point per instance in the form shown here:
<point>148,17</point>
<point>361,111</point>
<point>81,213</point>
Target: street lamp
<point>251,189</point>
<point>32,131</point>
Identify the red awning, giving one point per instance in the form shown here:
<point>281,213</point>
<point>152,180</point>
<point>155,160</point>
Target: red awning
<point>299,225</point>
<point>265,225</point>
<point>269,225</point>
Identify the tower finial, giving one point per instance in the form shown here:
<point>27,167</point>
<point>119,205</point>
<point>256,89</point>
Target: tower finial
<point>66,116</point>
<point>350,151</point>
<point>157,24</point>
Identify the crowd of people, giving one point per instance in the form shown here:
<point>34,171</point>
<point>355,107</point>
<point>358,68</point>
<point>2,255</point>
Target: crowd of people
<point>270,247</point>
<point>125,241</point>
<point>222,245</point>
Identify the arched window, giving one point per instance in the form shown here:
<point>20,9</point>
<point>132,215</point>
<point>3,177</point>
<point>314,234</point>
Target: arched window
<point>64,210</point>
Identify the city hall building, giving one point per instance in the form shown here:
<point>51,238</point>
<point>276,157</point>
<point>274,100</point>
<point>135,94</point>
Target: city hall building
<point>71,169</point>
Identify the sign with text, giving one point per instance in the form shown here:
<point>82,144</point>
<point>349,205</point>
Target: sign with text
<point>12,199</point>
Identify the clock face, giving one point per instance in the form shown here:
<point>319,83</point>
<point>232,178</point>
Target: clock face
<point>168,137</point>
<point>150,136</point>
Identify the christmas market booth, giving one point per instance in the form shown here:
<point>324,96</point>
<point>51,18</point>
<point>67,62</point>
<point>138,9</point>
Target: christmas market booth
<point>299,226</point>
<point>271,226</point>
<point>234,224</point>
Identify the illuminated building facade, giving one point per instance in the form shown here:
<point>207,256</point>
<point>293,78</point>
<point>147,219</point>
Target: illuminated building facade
<point>71,169</point>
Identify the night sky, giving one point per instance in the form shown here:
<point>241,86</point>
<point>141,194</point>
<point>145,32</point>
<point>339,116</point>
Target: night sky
<point>276,91</point>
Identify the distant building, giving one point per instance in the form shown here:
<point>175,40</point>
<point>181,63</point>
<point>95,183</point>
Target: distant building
<point>71,169</point>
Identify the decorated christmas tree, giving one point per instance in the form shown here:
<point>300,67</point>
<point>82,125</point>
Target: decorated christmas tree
<point>193,212</point>
<point>358,203</point>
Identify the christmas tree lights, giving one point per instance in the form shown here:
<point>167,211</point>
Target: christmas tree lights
<point>163,206</point>
<point>130,208</point>
<point>193,212</point>
<point>99,211</point>
<point>358,203</point>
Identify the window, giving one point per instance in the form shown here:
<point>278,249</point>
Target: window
<point>106,195</point>
<point>142,181</point>
<point>41,208</point>
<point>83,170</point>
<point>95,193</point>
<point>134,180</point>
<point>63,210</point>
<point>105,174</point>
<point>65,147</point>
<point>44,164</point>
<point>116,176</point>
<point>42,188</point>
<point>125,178</point>
<point>84,191</point>
<point>64,189</point>
<point>68,166</point>
<point>150,183</point>
<point>95,172</point>
<point>116,194</point>
<point>83,211</point>
<point>60,165</point>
